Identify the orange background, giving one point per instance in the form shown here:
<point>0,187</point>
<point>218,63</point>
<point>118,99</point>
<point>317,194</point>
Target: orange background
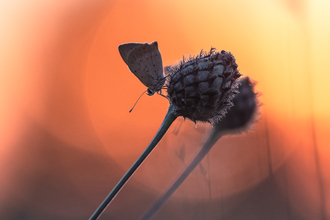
<point>66,136</point>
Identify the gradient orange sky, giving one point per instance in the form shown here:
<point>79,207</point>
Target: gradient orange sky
<point>61,69</point>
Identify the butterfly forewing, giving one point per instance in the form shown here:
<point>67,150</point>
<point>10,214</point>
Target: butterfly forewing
<point>145,62</point>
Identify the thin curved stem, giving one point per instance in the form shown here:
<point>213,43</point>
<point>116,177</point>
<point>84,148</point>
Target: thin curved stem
<point>215,135</point>
<point>168,120</point>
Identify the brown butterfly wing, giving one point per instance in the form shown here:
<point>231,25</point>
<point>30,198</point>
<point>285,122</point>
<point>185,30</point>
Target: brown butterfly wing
<point>124,50</point>
<point>145,62</point>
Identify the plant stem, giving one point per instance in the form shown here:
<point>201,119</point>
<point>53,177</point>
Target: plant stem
<point>168,120</point>
<point>214,136</point>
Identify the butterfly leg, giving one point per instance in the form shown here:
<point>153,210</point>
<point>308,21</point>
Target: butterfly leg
<point>160,93</point>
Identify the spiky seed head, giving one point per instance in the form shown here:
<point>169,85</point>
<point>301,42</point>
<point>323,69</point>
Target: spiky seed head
<point>202,88</point>
<point>242,113</point>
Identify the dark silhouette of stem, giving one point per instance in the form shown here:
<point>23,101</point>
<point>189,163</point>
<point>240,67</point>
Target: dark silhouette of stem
<point>168,120</point>
<point>215,135</point>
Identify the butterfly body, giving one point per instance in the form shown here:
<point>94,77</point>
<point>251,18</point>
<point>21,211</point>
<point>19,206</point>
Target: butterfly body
<point>145,62</point>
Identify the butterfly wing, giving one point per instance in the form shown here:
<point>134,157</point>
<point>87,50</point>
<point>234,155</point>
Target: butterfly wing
<point>145,62</point>
<point>124,50</point>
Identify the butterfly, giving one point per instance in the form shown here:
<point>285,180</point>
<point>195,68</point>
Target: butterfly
<point>145,62</point>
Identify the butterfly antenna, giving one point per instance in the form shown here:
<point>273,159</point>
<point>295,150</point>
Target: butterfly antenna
<point>137,101</point>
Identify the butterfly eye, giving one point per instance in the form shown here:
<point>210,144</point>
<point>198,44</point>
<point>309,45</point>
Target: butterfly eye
<point>150,92</point>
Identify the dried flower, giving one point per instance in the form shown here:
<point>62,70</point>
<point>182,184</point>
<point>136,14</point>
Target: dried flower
<point>202,87</point>
<point>242,113</point>
<point>237,118</point>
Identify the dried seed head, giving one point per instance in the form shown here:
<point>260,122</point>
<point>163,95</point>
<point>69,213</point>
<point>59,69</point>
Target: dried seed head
<point>242,113</point>
<point>202,87</point>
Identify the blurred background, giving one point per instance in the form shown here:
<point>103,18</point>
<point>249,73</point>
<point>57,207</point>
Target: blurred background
<point>66,136</point>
